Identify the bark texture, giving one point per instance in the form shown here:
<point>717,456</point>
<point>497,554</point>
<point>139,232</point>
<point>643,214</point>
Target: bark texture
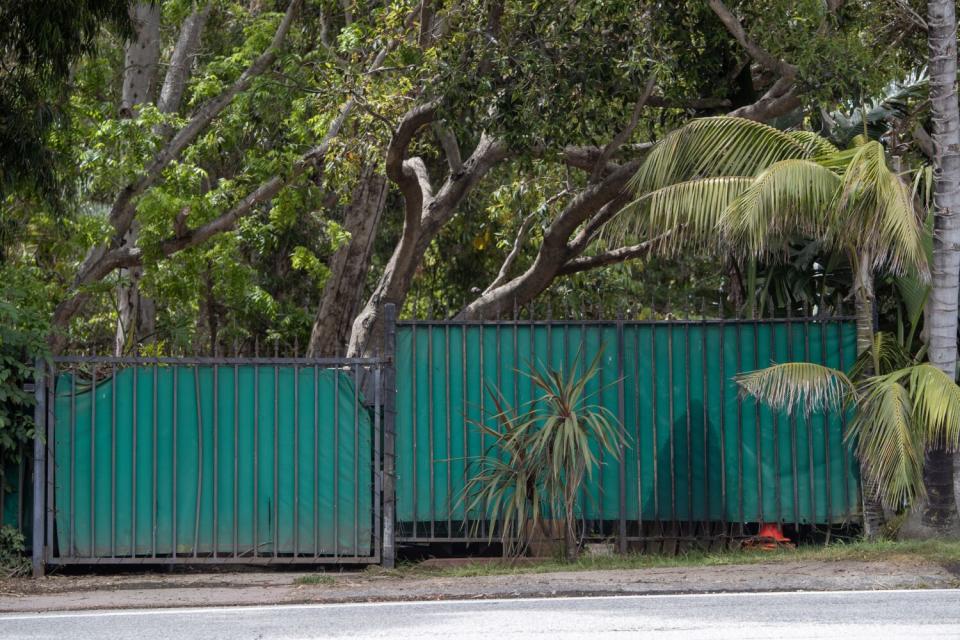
<point>141,57</point>
<point>136,314</point>
<point>938,517</point>
<point>425,213</point>
<point>349,266</point>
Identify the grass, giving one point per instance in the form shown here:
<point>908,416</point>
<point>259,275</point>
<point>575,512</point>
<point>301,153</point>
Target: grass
<point>316,579</point>
<point>930,551</point>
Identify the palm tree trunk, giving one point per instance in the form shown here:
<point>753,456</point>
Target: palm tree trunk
<point>874,520</point>
<point>938,517</point>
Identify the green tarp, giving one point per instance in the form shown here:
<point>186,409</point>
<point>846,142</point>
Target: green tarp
<point>203,459</point>
<point>696,450</point>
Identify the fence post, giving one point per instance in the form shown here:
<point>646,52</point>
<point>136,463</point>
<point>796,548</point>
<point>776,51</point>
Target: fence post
<point>621,416</point>
<point>39,465</point>
<point>389,553</point>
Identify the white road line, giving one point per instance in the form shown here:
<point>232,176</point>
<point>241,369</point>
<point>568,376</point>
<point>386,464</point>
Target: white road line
<point>474,601</point>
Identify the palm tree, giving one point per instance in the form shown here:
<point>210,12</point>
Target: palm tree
<point>940,514</point>
<point>732,185</point>
<point>903,410</point>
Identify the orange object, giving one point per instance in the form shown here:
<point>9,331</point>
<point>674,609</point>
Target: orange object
<point>772,531</point>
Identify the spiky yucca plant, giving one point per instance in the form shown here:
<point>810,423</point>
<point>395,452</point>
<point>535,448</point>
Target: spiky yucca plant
<point>540,456</point>
<point>902,407</point>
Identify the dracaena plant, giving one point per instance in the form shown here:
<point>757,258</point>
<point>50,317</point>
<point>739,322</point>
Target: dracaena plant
<point>901,407</point>
<point>540,455</point>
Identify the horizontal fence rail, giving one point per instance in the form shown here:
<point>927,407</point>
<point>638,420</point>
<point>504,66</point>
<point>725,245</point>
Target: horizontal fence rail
<point>698,456</point>
<point>213,460</point>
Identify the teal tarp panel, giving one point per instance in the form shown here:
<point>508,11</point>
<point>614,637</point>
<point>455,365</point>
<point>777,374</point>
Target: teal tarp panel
<point>202,459</point>
<point>16,496</point>
<point>697,450</point>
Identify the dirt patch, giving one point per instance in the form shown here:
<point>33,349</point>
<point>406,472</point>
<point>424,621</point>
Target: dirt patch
<point>231,589</point>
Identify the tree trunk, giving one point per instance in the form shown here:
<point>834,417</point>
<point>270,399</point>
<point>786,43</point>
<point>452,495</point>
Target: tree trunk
<point>874,520</point>
<point>349,266</point>
<point>938,517</point>
<point>141,57</point>
<point>140,65</point>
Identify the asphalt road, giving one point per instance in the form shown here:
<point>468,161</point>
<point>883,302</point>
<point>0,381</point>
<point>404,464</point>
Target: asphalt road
<point>850,615</point>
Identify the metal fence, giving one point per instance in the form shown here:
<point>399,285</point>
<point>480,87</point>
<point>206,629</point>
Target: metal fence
<point>700,459</point>
<point>337,460</point>
<point>209,460</point>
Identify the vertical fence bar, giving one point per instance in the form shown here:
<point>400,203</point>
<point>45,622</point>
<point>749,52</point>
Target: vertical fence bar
<point>794,466</point>
<point>809,424</point>
<point>377,462</point>
<point>653,429</point>
<point>72,547</point>
<point>176,386</point>
<point>199,493</point>
<point>826,426</point>
<point>39,465</point>
<point>706,416</point>
<point>447,410</point>
<point>336,462</point>
<point>256,459</point>
<point>687,379</point>
<point>758,442</point>
<point>276,455</point>
<point>315,491</point>
<point>389,415</point>
<point>483,420</point>
<point>414,419</point>
<point>430,429</point>
<point>296,458</point>
<point>776,433</point>
<point>636,425</point>
<point>93,463</point>
<point>236,457</point>
<point>113,461</point>
<point>215,547</point>
<point>723,419</point>
<point>50,461</point>
<point>463,423</point>
<point>133,466</point>
<point>670,425</point>
<point>740,515</point>
<point>153,513</point>
<point>621,416</point>
<point>356,459</point>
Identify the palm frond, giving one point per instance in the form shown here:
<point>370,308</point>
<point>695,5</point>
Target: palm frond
<point>885,355</point>
<point>878,213</point>
<point>791,197</point>
<point>936,406</point>
<point>817,146</point>
<point>718,146</point>
<point>798,385</point>
<point>688,212</point>
<point>888,445</point>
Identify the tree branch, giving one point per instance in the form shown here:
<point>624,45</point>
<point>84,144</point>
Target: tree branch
<point>175,80</point>
<point>781,98</point>
<point>585,157</point>
<point>766,59</point>
<point>518,241</point>
<point>696,104</point>
<point>615,256</point>
<point>401,171</point>
<point>451,148</point>
<point>122,212</point>
<point>600,166</point>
